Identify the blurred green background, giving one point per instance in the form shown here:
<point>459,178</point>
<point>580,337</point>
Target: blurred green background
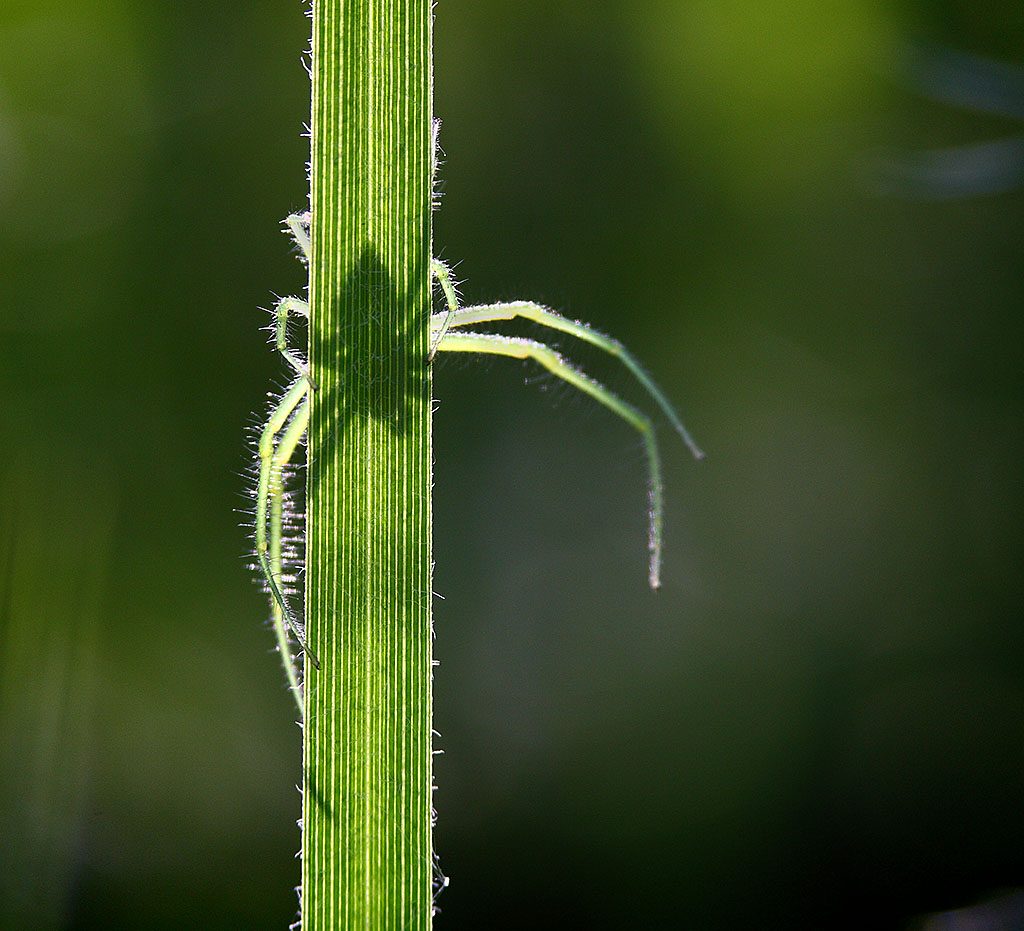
<point>817,723</point>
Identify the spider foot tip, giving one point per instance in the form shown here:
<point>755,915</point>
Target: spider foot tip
<point>697,453</point>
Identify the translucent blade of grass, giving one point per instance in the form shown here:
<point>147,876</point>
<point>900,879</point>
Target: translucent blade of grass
<point>367,853</point>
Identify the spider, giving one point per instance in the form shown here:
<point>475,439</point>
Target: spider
<point>286,426</point>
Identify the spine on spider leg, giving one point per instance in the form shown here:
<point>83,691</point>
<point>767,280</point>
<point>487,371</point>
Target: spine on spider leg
<point>367,851</point>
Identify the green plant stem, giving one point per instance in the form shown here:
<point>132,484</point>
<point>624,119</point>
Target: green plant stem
<point>367,854</point>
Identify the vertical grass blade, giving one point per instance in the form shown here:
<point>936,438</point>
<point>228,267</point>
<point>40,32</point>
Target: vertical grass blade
<point>367,860</point>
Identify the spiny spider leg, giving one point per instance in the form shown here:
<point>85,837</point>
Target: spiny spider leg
<point>527,310</point>
<point>268,461</point>
<point>299,225</point>
<point>290,440</point>
<point>443,274</point>
<point>292,414</point>
<point>297,306</point>
<point>518,348</point>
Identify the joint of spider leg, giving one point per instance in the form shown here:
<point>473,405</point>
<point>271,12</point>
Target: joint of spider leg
<point>282,309</point>
<point>546,317</point>
<point>449,289</point>
<point>300,307</point>
<point>299,226</point>
<point>301,368</point>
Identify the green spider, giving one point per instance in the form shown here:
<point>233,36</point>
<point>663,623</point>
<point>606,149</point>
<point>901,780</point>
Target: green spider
<point>287,423</point>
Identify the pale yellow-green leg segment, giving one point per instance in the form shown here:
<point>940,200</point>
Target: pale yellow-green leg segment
<point>443,274</point>
<point>277,422</point>
<point>285,306</point>
<point>527,310</point>
<point>283,453</point>
<point>299,226</point>
<point>517,348</point>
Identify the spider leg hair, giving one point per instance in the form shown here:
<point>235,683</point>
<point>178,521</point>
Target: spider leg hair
<point>269,465</point>
<point>299,226</point>
<point>518,348</point>
<point>285,306</point>
<point>537,313</point>
<point>286,446</point>
<point>443,274</point>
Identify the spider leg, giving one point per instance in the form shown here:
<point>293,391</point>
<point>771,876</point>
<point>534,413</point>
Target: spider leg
<point>283,453</point>
<point>299,226</point>
<point>298,306</point>
<point>443,274</point>
<point>527,310</point>
<point>268,465</point>
<point>517,348</point>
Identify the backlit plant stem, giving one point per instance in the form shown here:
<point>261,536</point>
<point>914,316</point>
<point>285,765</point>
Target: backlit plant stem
<point>367,854</point>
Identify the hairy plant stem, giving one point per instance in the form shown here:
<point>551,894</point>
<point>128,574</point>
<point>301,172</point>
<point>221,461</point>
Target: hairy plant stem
<point>367,853</point>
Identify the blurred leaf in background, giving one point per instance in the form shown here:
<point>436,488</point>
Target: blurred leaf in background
<point>50,595</point>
